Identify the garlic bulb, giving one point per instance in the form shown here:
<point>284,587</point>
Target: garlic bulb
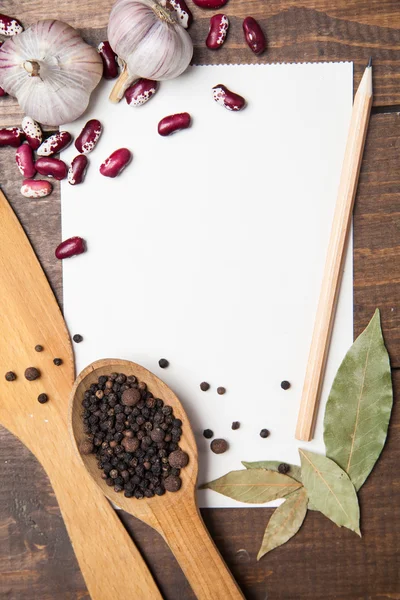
<point>150,41</point>
<point>51,71</point>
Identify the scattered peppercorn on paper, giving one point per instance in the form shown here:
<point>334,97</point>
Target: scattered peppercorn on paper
<point>208,249</point>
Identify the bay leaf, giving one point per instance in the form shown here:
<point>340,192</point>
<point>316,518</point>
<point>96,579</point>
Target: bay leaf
<point>254,486</point>
<point>285,522</point>
<point>330,490</point>
<point>360,402</point>
<point>272,465</point>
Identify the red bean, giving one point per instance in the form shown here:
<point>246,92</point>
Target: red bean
<point>173,123</point>
<point>52,167</point>
<point>228,99</point>
<point>183,12</point>
<point>24,158</point>
<point>9,26</point>
<point>88,137</point>
<point>55,143</point>
<point>116,162</point>
<point>70,247</point>
<point>36,188</point>
<point>109,58</point>
<point>77,170</point>
<point>140,92</point>
<point>219,25</point>
<point>32,131</point>
<point>11,136</point>
<point>254,35</point>
<point>210,3</point>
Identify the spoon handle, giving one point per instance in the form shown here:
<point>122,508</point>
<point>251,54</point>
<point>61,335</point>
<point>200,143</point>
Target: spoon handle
<point>184,531</point>
<point>110,562</point>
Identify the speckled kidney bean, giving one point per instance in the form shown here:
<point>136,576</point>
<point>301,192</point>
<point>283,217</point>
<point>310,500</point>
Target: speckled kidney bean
<point>9,26</point>
<point>32,131</point>
<point>228,99</point>
<point>219,25</point>
<point>77,170</point>
<point>52,167</point>
<point>24,158</point>
<point>254,35</point>
<point>215,4</point>
<point>116,162</point>
<point>11,136</point>
<point>88,137</point>
<point>70,247</point>
<point>174,123</point>
<point>55,143</point>
<point>183,12</point>
<point>109,58</point>
<point>36,188</point>
<point>140,92</point>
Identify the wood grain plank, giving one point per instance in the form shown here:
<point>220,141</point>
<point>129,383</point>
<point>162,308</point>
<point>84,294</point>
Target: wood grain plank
<point>297,32</point>
<point>321,562</point>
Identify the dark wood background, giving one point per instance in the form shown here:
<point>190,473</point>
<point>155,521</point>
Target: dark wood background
<point>322,561</point>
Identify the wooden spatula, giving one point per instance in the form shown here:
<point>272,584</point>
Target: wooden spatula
<point>29,315</point>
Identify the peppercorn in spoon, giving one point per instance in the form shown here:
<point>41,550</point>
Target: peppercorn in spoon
<point>174,515</point>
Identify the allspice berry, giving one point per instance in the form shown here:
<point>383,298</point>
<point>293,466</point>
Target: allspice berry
<point>178,459</point>
<point>130,397</point>
<point>130,444</point>
<point>172,483</point>
<point>221,390</point>
<point>204,386</point>
<point>219,446</point>
<point>86,447</point>
<point>157,435</point>
<point>31,373</point>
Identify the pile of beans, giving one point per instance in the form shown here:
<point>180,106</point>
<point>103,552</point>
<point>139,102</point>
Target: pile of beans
<point>134,436</point>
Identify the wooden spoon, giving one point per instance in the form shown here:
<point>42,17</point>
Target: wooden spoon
<point>29,315</point>
<point>175,515</point>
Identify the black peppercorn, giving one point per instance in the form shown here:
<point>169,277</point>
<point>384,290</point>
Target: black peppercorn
<point>221,390</point>
<point>57,362</point>
<point>11,376</point>
<point>77,338</point>
<point>208,434</point>
<point>284,468</point>
<point>219,446</point>
<point>43,398</point>
<point>39,348</point>
<point>204,386</point>
<point>264,433</point>
<point>163,363</point>
<point>235,425</point>
<point>32,373</point>
<point>285,385</point>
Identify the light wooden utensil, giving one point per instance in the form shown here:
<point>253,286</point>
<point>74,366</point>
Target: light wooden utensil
<point>29,315</point>
<point>175,515</point>
<point>335,258</point>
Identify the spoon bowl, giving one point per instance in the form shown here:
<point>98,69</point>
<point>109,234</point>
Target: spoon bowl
<point>174,515</point>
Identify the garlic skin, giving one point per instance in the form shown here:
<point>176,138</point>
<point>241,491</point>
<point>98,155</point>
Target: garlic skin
<point>150,40</point>
<point>51,71</point>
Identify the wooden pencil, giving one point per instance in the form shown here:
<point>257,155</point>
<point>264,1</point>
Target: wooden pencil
<point>335,258</point>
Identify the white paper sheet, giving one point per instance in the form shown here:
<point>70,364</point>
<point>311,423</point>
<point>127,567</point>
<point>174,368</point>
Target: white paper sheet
<point>209,249</point>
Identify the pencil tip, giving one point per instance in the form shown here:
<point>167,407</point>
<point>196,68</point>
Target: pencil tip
<point>369,62</point>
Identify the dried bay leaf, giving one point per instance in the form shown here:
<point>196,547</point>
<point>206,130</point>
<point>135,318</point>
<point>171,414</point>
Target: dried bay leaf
<point>360,402</point>
<point>254,486</point>
<point>330,490</point>
<point>285,521</point>
<point>273,465</point>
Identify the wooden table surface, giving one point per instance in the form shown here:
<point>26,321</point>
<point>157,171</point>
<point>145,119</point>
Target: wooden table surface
<point>322,561</point>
